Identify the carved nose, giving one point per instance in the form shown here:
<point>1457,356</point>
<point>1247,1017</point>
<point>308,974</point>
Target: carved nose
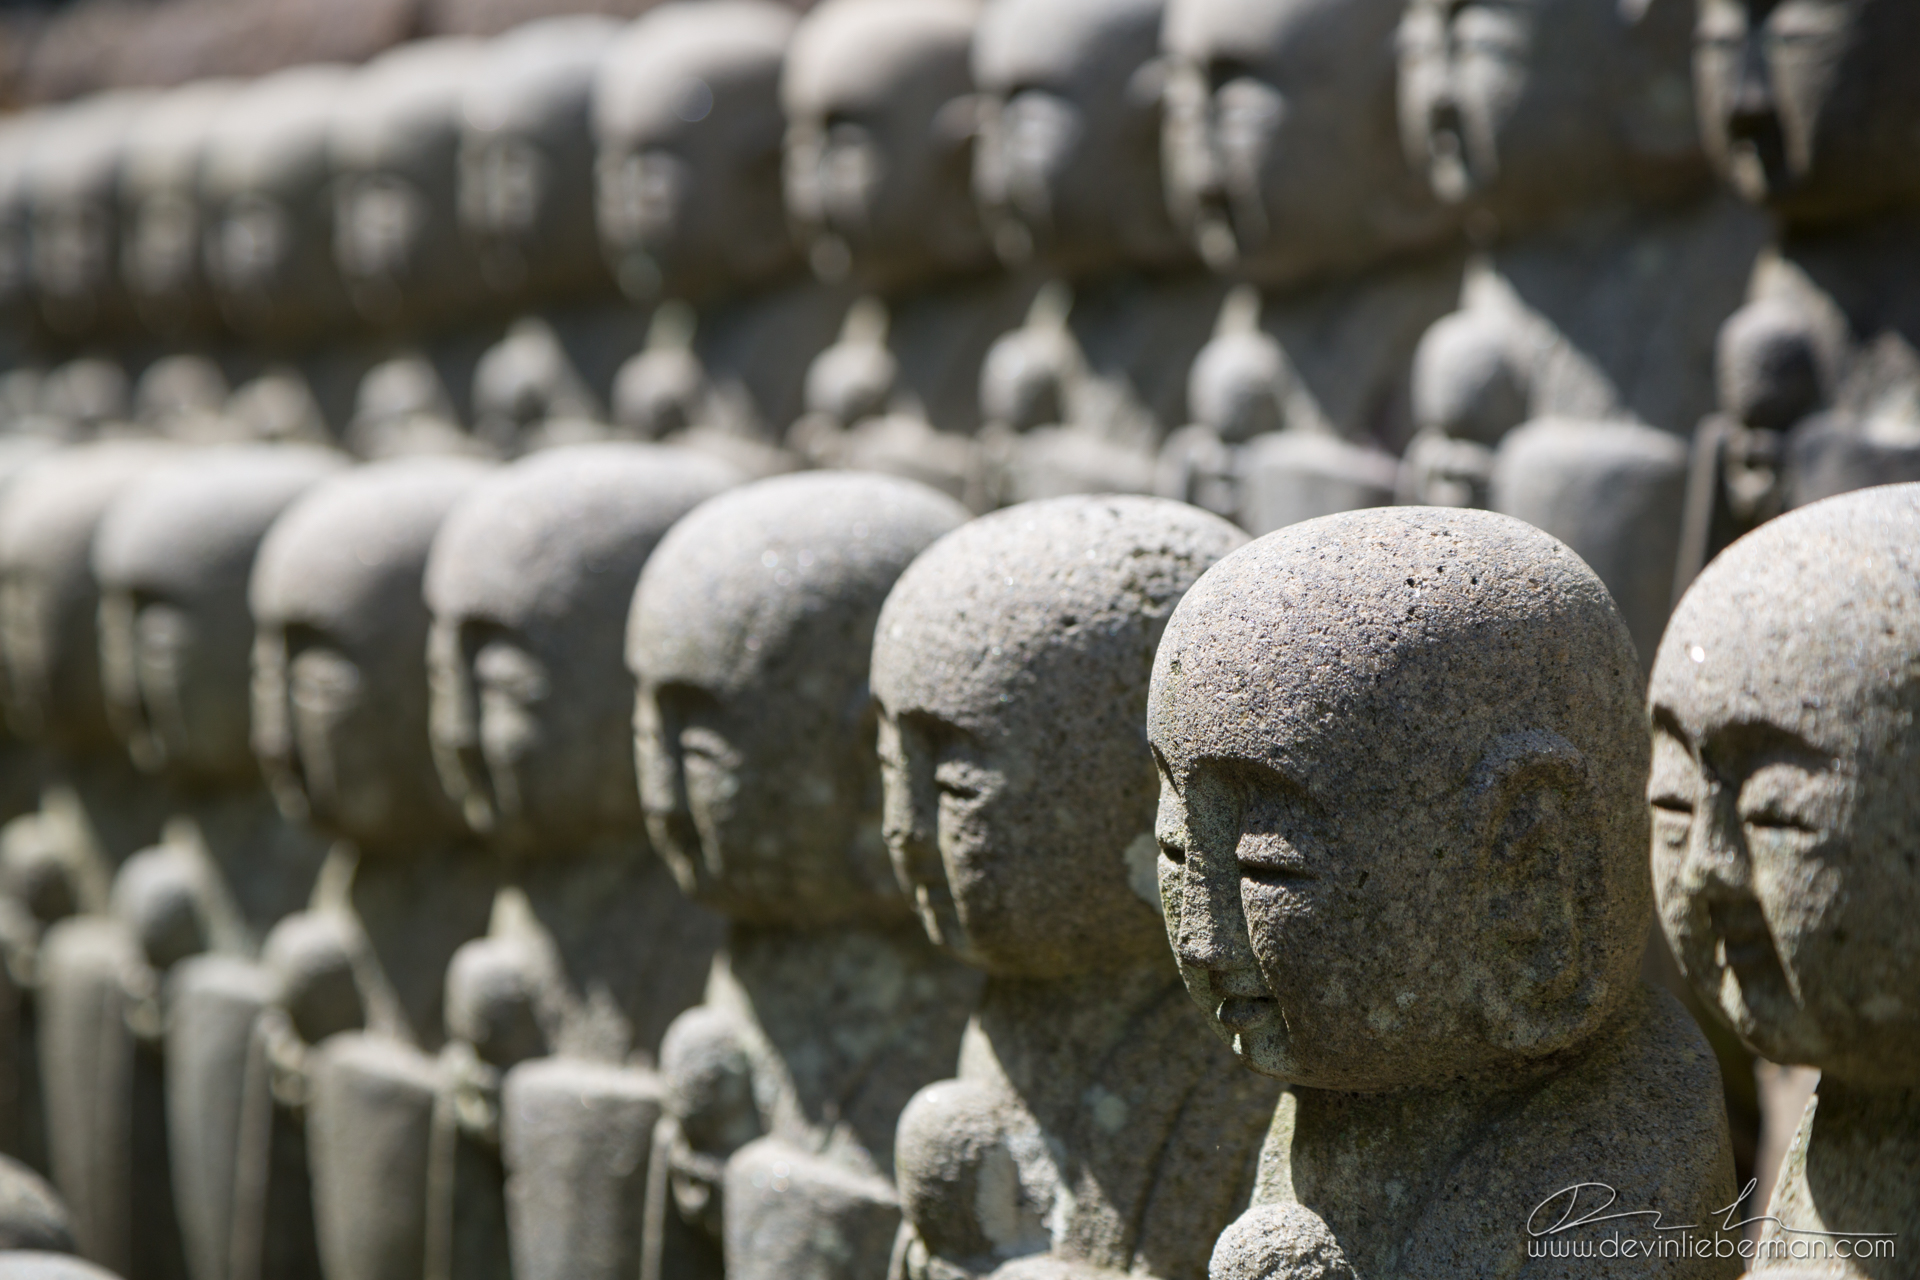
<point>1752,115</point>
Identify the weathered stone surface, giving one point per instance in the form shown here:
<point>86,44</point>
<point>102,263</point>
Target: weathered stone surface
<point>1401,752</point>
<point>750,639</point>
<point>1780,811</point>
<point>1090,1123</point>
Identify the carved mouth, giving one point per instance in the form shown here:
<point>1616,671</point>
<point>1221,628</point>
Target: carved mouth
<point>1448,171</point>
<point>1242,1014</point>
<point>1757,155</point>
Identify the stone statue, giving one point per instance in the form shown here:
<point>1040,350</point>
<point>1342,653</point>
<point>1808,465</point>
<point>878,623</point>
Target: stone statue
<point>1401,758</point>
<point>527,204</point>
<point>828,1008</point>
<point>20,328</point>
<point>412,276</point>
<point>73,191</point>
<point>31,1214</point>
<point>1284,165</point>
<point>105,1146</point>
<point>880,129</point>
<point>1564,130</point>
<point>1091,1125</point>
<point>1782,808</point>
<point>1068,174</point>
<point>688,120</point>
<point>172,559</point>
<point>162,219</point>
<point>592,949</point>
<point>344,1083</point>
<point>1806,113</point>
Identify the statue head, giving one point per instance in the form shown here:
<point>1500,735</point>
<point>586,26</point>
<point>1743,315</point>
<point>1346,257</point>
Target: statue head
<point>161,216</point>
<point>73,182</point>
<point>17,309</point>
<point>1010,665</point>
<point>1283,159</point>
<point>1527,110</point>
<point>1784,740</point>
<point>526,158</point>
<point>49,599</point>
<point>1401,751</point>
<point>687,118</point>
<point>879,142</point>
<point>754,728</point>
<point>1067,164</point>
<point>339,656</point>
<point>1810,106</point>
<point>266,182</point>
<point>530,582</point>
<point>172,558</point>
<point>395,147</point>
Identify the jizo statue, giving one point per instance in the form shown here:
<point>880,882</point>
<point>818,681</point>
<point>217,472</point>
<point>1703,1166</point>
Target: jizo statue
<point>73,181</point>
<point>688,121</point>
<point>1782,812</point>
<point>345,1085</point>
<point>827,1008</point>
<point>881,122</point>
<point>1067,170</point>
<point>172,558</point>
<point>1402,754</point>
<point>527,204</point>
<point>1093,1130</point>
<point>592,949</point>
<point>19,318</point>
<point>1284,166</point>
<point>162,217</point>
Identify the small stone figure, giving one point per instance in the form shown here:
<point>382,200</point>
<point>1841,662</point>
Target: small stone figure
<point>340,728</point>
<point>20,326</point>
<point>1284,165</point>
<point>105,1140</point>
<point>592,950</point>
<point>74,188</point>
<point>688,120</point>
<point>880,119</point>
<point>1091,1125</point>
<point>1401,756</point>
<point>828,1008</point>
<point>1068,172</point>
<point>172,558</point>
<point>1783,807</point>
<point>162,220</point>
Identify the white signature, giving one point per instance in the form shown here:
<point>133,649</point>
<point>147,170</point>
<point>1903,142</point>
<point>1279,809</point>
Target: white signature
<point>1572,1216</point>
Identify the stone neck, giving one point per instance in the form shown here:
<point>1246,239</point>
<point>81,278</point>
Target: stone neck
<point>1049,1034</point>
<point>109,810</point>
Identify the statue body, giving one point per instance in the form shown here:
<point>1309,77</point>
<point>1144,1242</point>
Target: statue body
<point>827,1008</point>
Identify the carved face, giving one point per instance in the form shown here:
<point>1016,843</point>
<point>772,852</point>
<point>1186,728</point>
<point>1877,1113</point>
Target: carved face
<point>317,729</point>
<point>169,673</point>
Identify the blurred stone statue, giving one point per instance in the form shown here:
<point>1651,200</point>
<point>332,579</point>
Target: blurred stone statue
<point>162,219</point>
<point>827,1008</point>
<point>1090,1132</point>
<point>75,226</point>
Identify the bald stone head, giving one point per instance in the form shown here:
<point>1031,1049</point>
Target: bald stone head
<point>1784,810</point>
<point>1810,108</point>
<point>687,118</point>
<point>172,559</point>
<point>1011,666</point>
<point>750,640</point>
<point>530,583</point>
<point>1068,161</point>
<point>49,599</point>
<point>879,150</point>
<point>16,275</point>
<point>526,158</point>
<point>1401,755</point>
<point>267,188</point>
<point>1529,111</point>
<point>1283,158</point>
<point>73,183</point>
<point>395,146</point>
<point>339,657</point>
<point>161,217</point>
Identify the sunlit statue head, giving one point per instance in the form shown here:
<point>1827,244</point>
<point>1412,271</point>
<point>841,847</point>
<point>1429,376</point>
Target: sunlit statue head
<point>526,158</point>
<point>73,189</point>
<point>339,659</point>
<point>161,215</point>
<point>880,125</point>
<point>530,583</point>
<point>1810,106</point>
<point>1784,814</point>
<point>172,559</point>
<point>750,639</point>
<point>1401,755</point>
<point>1283,158</point>
<point>1011,665</point>
<point>1526,111</point>
<point>1067,167</point>
<point>687,119</point>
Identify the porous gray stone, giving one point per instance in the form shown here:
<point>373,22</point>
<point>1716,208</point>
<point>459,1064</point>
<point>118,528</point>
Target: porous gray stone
<point>1090,1124</point>
<point>1401,755</point>
<point>1781,811</point>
